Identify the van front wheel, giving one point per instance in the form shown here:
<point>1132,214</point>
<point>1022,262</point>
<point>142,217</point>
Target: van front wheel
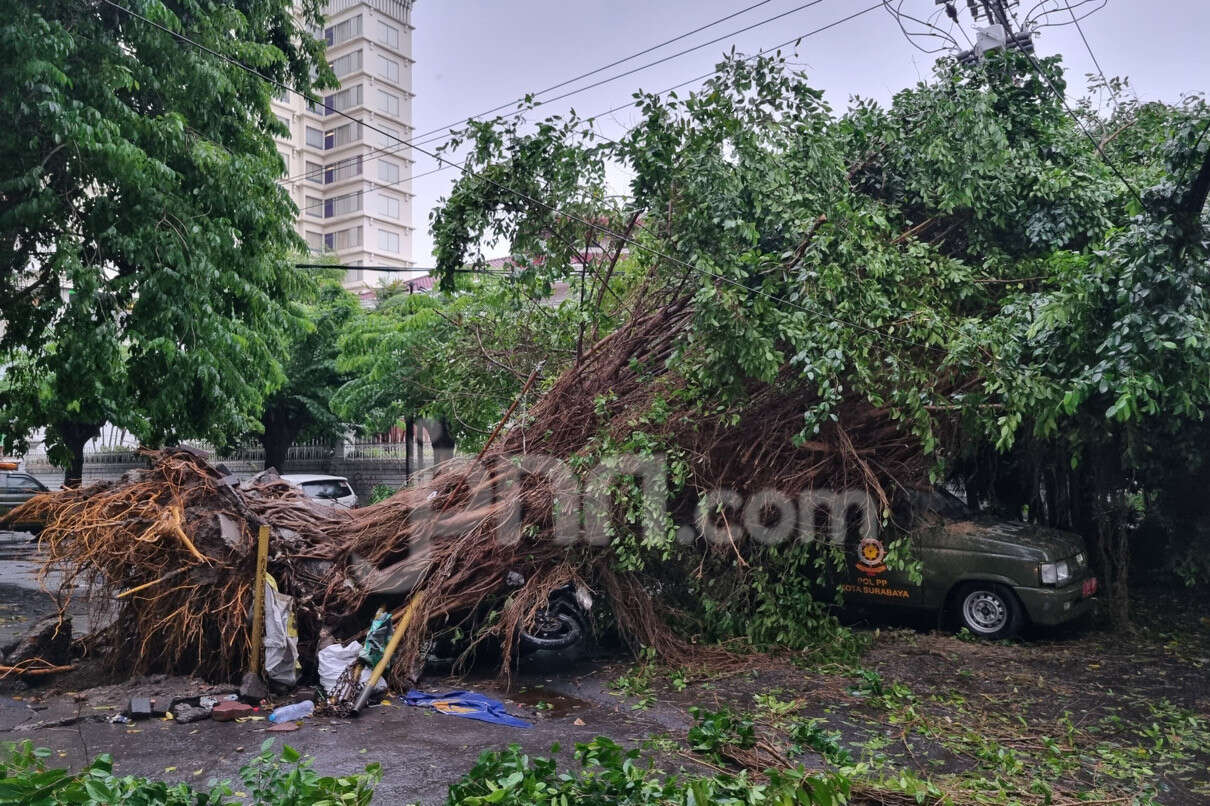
<point>989,610</point>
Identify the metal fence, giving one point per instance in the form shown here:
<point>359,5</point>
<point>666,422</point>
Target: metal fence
<point>391,447</point>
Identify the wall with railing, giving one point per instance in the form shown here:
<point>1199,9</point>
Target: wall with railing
<point>364,462</point>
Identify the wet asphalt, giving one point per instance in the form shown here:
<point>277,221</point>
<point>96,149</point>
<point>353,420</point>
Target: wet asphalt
<point>421,752</point>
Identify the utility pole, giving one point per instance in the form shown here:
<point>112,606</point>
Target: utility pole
<point>999,31</point>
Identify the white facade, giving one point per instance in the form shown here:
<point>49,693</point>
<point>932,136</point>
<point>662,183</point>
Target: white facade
<point>352,184</point>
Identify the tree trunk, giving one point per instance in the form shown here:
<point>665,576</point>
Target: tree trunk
<point>1108,510</point>
<point>409,458</point>
<point>443,443</point>
<point>75,437</point>
<point>276,439</point>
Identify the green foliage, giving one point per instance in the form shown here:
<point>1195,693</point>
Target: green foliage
<point>290,779</point>
<point>713,732</point>
<point>610,774</point>
<point>460,357</point>
<point>779,601</point>
<point>810,734</point>
<point>146,242</point>
<point>639,682</point>
<point>301,407</point>
<point>381,492</point>
<point>270,780</point>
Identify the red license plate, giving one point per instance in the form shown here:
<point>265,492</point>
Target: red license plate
<point>1090,587</point>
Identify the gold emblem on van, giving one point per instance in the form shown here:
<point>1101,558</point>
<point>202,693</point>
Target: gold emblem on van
<point>871,555</point>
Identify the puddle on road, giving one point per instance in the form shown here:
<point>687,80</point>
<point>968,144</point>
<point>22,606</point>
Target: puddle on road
<point>547,702</point>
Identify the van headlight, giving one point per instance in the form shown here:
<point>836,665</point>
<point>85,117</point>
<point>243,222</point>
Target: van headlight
<point>1055,573</point>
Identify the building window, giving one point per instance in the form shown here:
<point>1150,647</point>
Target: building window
<point>345,99</point>
<point>387,136</point>
<point>343,239</point>
<point>388,69</point>
<point>285,123</point>
<point>342,205</point>
<point>344,169</point>
<point>315,173</point>
<point>342,135</point>
<point>343,31</point>
<point>315,241</point>
<point>388,206</point>
<point>388,35</point>
<point>315,137</point>
<point>314,207</point>
<point>388,103</point>
<point>388,241</point>
<point>348,63</point>
<point>388,171</point>
<point>285,162</point>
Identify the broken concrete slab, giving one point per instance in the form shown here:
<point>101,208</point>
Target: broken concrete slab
<point>252,688</point>
<point>185,713</point>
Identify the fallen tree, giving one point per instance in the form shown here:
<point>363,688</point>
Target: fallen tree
<point>169,552</point>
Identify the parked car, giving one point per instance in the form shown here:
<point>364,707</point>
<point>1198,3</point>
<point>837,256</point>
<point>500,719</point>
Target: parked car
<point>987,575</point>
<point>17,488</point>
<point>332,491</point>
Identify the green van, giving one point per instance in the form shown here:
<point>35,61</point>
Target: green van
<point>990,576</point>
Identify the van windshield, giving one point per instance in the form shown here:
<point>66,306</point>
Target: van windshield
<point>942,502</point>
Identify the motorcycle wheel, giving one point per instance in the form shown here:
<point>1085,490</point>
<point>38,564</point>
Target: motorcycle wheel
<point>560,626</point>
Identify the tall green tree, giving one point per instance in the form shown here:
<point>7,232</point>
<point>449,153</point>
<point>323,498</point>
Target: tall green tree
<point>458,357</point>
<point>301,407</point>
<point>145,261</point>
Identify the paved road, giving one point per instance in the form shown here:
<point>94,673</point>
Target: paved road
<point>422,752</point>
<point>16,545</point>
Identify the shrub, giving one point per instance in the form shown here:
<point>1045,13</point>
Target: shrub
<point>270,779</point>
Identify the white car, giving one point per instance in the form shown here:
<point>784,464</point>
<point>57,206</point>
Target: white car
<point>330,491</point>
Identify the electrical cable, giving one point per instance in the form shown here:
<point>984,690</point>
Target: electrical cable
<point>419,139</point>
<point>898,15</point>
<point>446,165</point>
<point>1095,143</point>
<point>644,52</point>
<point>1079,28</point>
<point>592,225</point>
<point>521,100</point>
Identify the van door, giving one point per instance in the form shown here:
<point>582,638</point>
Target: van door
<point>866,578</point>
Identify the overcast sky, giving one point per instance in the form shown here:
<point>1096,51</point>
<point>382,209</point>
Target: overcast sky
<point>472,55</point>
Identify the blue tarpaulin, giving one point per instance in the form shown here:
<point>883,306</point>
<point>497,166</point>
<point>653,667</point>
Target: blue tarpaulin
<point>467,704</point>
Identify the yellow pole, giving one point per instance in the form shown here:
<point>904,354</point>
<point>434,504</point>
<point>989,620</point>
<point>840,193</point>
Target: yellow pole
<point>388,651</point>
<point>258,600</point>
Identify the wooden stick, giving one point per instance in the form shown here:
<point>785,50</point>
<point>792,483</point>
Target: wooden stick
<point>391,646</point>
<point>528,383</point>
<point>146,585</point>
<point>258,599</point>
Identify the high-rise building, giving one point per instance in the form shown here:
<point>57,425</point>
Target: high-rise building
<point>352,184</point>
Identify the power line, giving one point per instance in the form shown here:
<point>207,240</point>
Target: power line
<point>1063,100</point>
<point>551,208</point>
<point>419,139</point>
<point>1080,28</point>
<point>445,165</point>
<point>506,105</point>
<point>601,69</point>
